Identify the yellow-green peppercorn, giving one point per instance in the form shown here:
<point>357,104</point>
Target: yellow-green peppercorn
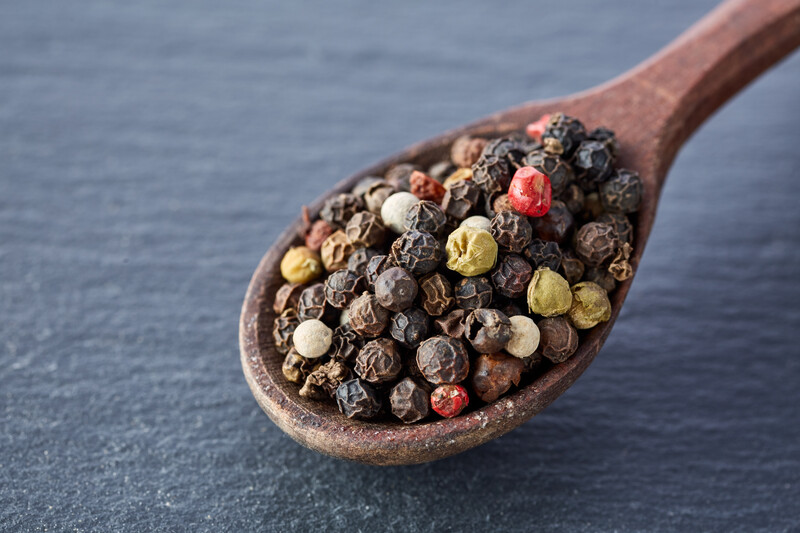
<point>590,305</point>
<point>471,251</point>
<point>548,293</point>
<point>300,265</point>
<point>459,175</point>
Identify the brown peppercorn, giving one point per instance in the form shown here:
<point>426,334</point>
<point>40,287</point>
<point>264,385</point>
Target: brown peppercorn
<point>622,192</point>
<point>367,317</point>
<point>379,361</point>
<point>452,324</point>
<point>556,225</point>
<point>491,174</point>
<point>552,166</point>
<point>436,294</point>
<point>335,251</point>
<point>501,203</point>
<point>409,327</point>
<point>399,176</point>
<point>425,216</point>
<point>376,194</point>
<point>573,197</point>
<point>377,266</point>
<point>572,267</point>
<point>396,289</point>
<point>342,287</point>
<point>602,277</point>
<point>417,251</point>
<point>494,373</point>
<point>473,292</point>
<point>511,276</point>
<point>443,360</point>
<point>460,199</point>
<point>365,229</point>
<point>410,400</point>
<point>488,330</point>
<point>337,211</point>
<point>358,399</point>
<point>426,188</point>
<point>596,243</point>
<point>620,267</point>
<point>466,150</point>
<point>296,368</point>
<point>323,382</point>
<point>345,344</point>
<point>358,260</point>
<point>287,297</point>
<point>317,233</point>
<point>511,231</point>
<point>621,224</point>
<point>282,330</point>
<point>558,339</point>
<point>544,254</point>
<point>313,306</point>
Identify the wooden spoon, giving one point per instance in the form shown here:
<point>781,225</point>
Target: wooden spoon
<point>653,109</point>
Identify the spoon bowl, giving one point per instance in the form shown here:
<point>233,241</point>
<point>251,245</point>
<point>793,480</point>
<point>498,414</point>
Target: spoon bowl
<point>653,109</point>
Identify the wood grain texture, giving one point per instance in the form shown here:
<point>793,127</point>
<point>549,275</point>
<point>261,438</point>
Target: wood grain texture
<point>653,109</point>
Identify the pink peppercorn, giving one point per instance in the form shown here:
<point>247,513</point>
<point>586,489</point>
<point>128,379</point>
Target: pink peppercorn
<point>530,192</point>
<point>535,129</point>
<point>449,400</point>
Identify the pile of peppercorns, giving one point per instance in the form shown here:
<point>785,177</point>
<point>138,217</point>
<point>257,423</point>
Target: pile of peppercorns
<point>456,283</point>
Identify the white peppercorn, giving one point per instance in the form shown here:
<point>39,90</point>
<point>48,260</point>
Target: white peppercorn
<point>394,209</point>
<point>312,338</point>
<point>524,336</point>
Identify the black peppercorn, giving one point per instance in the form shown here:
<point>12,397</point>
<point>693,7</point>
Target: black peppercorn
<point>417,251</point>
<point>573,197</point>
<point>313,306</point>
<point>596,243</point>
<point>460,199</point>
<point>622,192</point>
<point>607,137</point>
<point>376,194</point>
<point>508,148</point>
<point>558,339</point>
<point>491,174</point>
<point>409,327</point>
<point>436,294</point>
<point>396,289</point>
<point>379,361</point>
<point>365,229</point>
<point>364,184</point>
<point>556,225</point>
<point>592,164</point>
<point>399,176</point>
<point>488,330</point>
<point>621,224</point>
<point>324,381</point>
<point>342,287</point>
<point>410,401</point>
<point>358,399</point>
<point>552,166</point>
<point>375,267</point>
<point>473,292</point>
<point>296,368</point>
<point>441,170</point>
<point>511,276</point>
<point>367,317</point>
<point>425,216</point>
<point>345,344</point>
<point>592,207</point>
<point>544,254</point>
<point>572,267</point>
<point>511,231</point>
<point>358,260</point>
<point>443,360</point>
<point>282,330</point>
<point>493,374</point>
<point>452,324</point>
<point>568,131</point>
<point>602,277</point>
<point>287,297</point>
<point>337,211</point>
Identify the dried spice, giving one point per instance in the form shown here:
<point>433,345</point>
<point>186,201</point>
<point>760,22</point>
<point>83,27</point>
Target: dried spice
<point>287,297</point>
<point>452,324</point>
<point>358,399</point>
<point>449,400</point>
<point>296,368</point>
<point>493,374</point>
<point>558,339</point>
<point>417,251</point>
<point>568,131</point>
<point>379,361</point>
<point>342,287</point>
<point>345,344</point>
<point>283,329</point>
<point>337,211</point>
<point>312,338</point>
<point>317,233</point>
<point>511,276</point>
<point>491,174</point>
<point>461,198</point>
<point>592,206</point>
<point>530,192</point>
<point>426,188</point>
<point>544,254</point>
<point>367,317</point>
<point>395,208</point>
<point>466,150</point>
<point>592,164</point>
<point>364,185</point>
<point>471,251</point>
<point>436,294</point>
<point>573,197</point>
<point>312,304</point>
<point>377,266</point>
<point>365,229</point>
<point>572,267</point>
<point>473,292</point>
<point>602,277</point>
<point>548,293</point>
<point>509,148</point>
<point>622,193</point>
<point>425,216</point>
<point>410,401</point>
<point>607,137</point>
<point>441,170</point>
<point>501,203</point>
<point>399,176</point>
<point>300,265</point>
<point>376,194</point>
<point>461,174</point>
<point>511,231</point>
<point>596,243</point>
<point>553,146</point>
<point>524,336</point>
<point>323,382</point>
<point>621,224</point>
<point>557,225</point>
<point>409,327</point>
<point>552,166</point>
<point>620,268</point>
<point>534,130</point>
<point>358,260</point>
<point>443,360</point>
<point>396,289</point>
<point>478,222</point>
<point>590,305</point>
<point>336,250</point>
<point>488,330</point>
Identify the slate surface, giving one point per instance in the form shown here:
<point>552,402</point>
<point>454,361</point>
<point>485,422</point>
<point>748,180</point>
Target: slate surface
<point>150,153</point>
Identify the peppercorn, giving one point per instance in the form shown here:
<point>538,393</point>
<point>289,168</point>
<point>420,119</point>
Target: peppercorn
<point>377,266</point>
<point>478,222</point>
<point>511,231</point>
<point>324,381</point>
<point>473,292</point>
<point>558,339</point>
<point>283,329</point>
<point>410,401</point>
<point>568,131</point>
<point>622,192</point>
<point>316,235</point>
<point>592,164</point>
<point>296,368</point>
<point>312,338</point>
<point>491,174</point>
<point>530,192</point>
<point>552,146</point>
<point>508,148</point>
<point>358,399</point>
<point>342,287</point>
<point>460,174</point>
<point>409,327</point>
<point>556,225</point>
<point>436,294</point>
<point>590,305</point>
<point>573,197</point>
<point>511,276</point>
<point>287,297</point>
<point>602,277</point>
<point>367,317</point>
<point>466,150</point>
<point>559,171</point>
<point>365,229</point>
<point>488,330</point>
<point>426,188</point>
<point>336,250</point>
<point>379,361</point>
<point>300,265</point>
<point>621,224</point>
<point>345,344</point>
<point>452,324</point>
<point>607,137</point>
<point>512,308</point>
<point>338,210</point>
<point>596,243</point>
<point>536,129</point>
<point>358,260</point>
<point>395,208</point>
<point>548,293</point>
<point>396,289</point>
<point>471,251</point>
<point>592,207</point>
<point>377,193</point>
<point>443,360</point>
<point>312,304</point>
<point>501,203</point>
<point>544,254</point>
<point>399,176</point>
<point>524,336</point>
<point>572,267</point>
<point>620,267</point>
<point>494,373</point>
<point>425,216</point>
<point>417,251</point>
<point>460,199</point>
<point>449,400</point>
<point>364,185</point>
<point>441,170</point>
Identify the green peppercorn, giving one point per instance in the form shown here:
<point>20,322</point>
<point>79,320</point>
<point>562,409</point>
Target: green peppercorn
<point>300,265</point>
<point>590,305</point>
<point>471,251</point>
<point>548,293</point>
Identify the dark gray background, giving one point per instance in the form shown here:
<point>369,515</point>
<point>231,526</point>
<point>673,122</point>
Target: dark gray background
<point>151,152</point>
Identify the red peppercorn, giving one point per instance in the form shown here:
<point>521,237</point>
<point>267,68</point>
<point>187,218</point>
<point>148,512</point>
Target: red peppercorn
<point>530,192</point>
<point>426,188</point>
<point>449,400</point>
<point>535,129</point>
